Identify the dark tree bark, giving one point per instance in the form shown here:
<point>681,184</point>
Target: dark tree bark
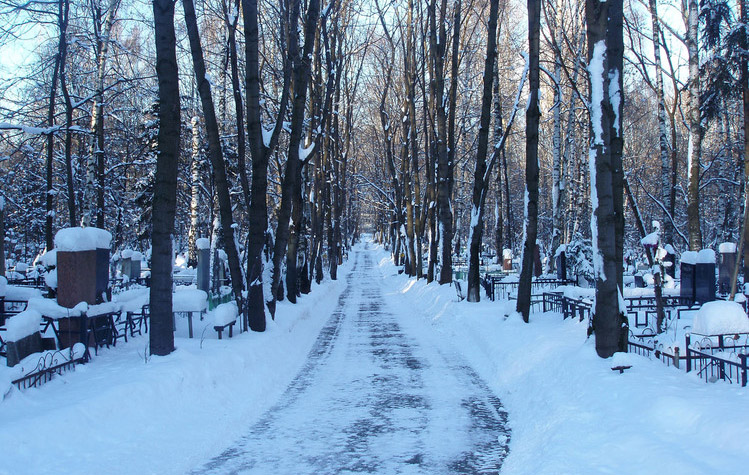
<point>215,154</point>
<point>260,153</point>
<point>165,191</point>
<point>532,118</point>
<point>68,120</point>
<point>604,27</point>
<point>696,131</point>
<point>302,68</point>
<point>481,174</point>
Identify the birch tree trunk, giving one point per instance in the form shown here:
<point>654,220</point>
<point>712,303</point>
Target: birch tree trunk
<point>695,128</point>
<point>192,234</point>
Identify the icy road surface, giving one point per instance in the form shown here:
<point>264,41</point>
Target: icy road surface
<point>378,394</point>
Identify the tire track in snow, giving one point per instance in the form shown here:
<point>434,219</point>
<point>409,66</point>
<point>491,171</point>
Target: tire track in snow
<point>372,398</point>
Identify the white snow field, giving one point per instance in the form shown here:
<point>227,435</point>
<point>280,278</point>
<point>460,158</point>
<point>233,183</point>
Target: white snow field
<point>305,396</point>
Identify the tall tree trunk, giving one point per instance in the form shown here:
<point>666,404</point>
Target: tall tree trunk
<point>745,100</point>
<point>196,159</point>
<point>302,67</point>
<point>215,154</point>
<point>532,119</point>
<point>260,152</point>
<point>604,25</point>
<point>662,133</point>
<point>2,236</point>
<point>68,125</point>
<point>481,174</point>
<point>165,190</point>
<point>695,128</point>
<point>557,171</point>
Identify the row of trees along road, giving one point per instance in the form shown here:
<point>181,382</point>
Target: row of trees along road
<point>282,129</point>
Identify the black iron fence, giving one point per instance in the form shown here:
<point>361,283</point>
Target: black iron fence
<point>567,306</point>
<point>499,289</point>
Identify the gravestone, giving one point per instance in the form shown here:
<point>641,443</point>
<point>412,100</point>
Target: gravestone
<point>82,267</point>
<point>687,267</point>
<point>726,265</point>
<point>561,265</point>
<point>537,267</point>
<point>126,255</point>
<point>704,276</point>
<point>135,265</point>
<point>670,258</point>
<point>507,259</point>
<point>204,264</point>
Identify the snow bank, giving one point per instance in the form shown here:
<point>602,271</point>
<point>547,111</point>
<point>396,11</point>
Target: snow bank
<point>13,292</point>
<point>22,325</point>
<point>225,313</point>
<point>727,248</point>
<point>689,257</point>
<point>49,308</point>
<point>203,243</point>
<point>189,300</point>
<point>720,317</point>
<point>82,239</point>
<point>706,256</point>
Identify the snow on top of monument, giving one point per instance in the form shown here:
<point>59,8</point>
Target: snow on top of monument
<point>136,256</point>
<point>22,325</point>
<point>562,248</point>
<point>720,317</point>
<point>507,253</point>
<point>706,256</point>
<point>225,313</point>
<point>126,253</point>
<point>203,243</point>
<point>49,258</point>
<point>82,239</point>
<point>50,308</point>
<point>3,286</point>
<point>189,300</point>
<point>727,247</point>
<point>102,308</point>
<point>650,240</point>
<point>689,257</point>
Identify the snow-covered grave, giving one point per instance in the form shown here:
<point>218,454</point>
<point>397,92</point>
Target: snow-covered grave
<point>82,265</point>
<point>720,318</point>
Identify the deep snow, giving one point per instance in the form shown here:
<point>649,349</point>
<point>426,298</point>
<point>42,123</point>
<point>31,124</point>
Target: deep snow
<point>568,411</point>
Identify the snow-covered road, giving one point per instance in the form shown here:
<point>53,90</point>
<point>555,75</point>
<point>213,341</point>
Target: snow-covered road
<point>376,394</point>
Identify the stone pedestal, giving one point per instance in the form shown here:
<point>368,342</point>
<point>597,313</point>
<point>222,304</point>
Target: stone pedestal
<point>76,277</point>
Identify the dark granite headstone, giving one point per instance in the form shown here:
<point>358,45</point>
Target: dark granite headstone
<point>725,271</point>
<point>687,281</point>
<point>639,281</point>
<point>204,269</point>
<point>125,267</point>
<point>562,266</point>
<point>704,282</point>
<point>18,350</point>
<point>102,273</point>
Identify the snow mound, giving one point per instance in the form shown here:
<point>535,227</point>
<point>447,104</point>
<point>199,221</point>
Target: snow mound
<point>82,239</point>
<point>22,325</point>
<point>189,300</point>
<point>49,258</point>
<point>225,313</point>
<point>720,317</point>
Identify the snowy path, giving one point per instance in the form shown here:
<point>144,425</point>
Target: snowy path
<point>377,394</point>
